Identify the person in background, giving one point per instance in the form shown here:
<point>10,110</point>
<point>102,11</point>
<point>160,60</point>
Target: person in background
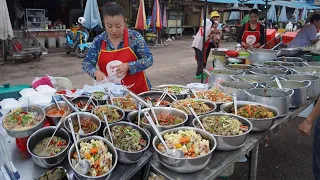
<point>215,34</point>
<point>197,45</point>
<point>305,128</point>
<point>121,54</point>
<point>252,33</point>
<point>307,36</point>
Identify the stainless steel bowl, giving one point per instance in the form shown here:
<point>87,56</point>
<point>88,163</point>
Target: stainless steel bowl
<point>237,87</point>
<point>126,111</point>
<point>84,99</point>
<point>211,105</point>
<point>158,110</point>
<point>314,89</point>
<point>111,149</point>
<point>261,79</point>
<point>156,94</point>
<point>258,124</point>
<point>126,157</point>
<point>35,138</point>
<point>74,119</point>
<point>27,132</point>
<point>179,96</point>
<point>186,165</point>
<point>54,119</point>
<point>228,143</point>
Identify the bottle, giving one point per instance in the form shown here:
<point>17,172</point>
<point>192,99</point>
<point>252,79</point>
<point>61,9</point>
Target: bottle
<point>238,47</point>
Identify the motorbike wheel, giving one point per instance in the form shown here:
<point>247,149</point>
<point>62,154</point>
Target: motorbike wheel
<point>81,54</point>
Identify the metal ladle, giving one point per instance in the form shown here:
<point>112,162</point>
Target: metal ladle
<point>108,127</point>
<point>196,116</point>
<point>55,100</point>
<point>80,132</point>
<point>171,152</point>
<point>235,103</point>
<point>83,166</point>
<point>139,113</point>
<point>153,112</point>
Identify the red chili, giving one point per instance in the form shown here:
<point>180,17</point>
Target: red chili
<point>19,120</point>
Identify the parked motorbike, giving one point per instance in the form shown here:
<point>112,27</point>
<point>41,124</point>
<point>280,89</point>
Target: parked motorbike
<point>77,42</point>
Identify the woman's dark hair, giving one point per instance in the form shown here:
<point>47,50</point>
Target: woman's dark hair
<point>315,17</point>
<point>113,9</point>
<point>254,11</point>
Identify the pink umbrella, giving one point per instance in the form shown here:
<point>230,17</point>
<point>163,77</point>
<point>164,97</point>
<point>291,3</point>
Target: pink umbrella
<point>156,22</point>
<point>141,22</point>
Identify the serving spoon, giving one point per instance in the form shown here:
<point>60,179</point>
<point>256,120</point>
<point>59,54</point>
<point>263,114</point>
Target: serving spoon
<point>108,127</point>
<point>83,165</point>
<point>139,113</point>
<point>88,103</point>
<point>80,132</point>
<point>235,104</point>
<point>55,100</point>
<point>196,116</point>
<point>171,152</point>
<point>153,112</point>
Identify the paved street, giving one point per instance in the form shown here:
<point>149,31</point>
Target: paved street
<point>288,156</point>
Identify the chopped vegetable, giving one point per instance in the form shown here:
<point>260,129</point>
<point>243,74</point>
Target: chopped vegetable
<point>214,95</point>
<point>86,125</point>
<point>111,113</point>
<point>126,103</point>
<point>165,119</point>
<point>56,145</point>
<point>18,119</point>
<point>198,106</point>
<point>254,111</point>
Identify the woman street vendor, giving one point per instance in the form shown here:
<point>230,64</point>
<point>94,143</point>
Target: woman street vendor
<point>120,54</point>
<point>251,33</point>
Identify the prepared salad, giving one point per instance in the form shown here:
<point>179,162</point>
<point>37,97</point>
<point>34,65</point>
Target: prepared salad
<point>82,104</point>
<point>55,112</point>
<point>176,89</point>
<point>127,138</point>
<point>153,176</point>
<point>58,173</point>
<point>188,141</point>
<point>254,111</point>
<point>98,155</point>
<point>223,125</point>
<point>155,101</point>
<point>165,119</point>
<point>214,95</point>
<point>98,95</point>
<point>127,103</point>
<point>111,113</point>
<point>198,106</point>
<point>87,125</point>
<point>57,145</point>
<point>19,120</point>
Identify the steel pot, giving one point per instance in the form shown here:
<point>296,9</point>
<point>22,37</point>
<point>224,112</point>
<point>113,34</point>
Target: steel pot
<point>269,71</point>
<point>258,124</point>
<point>54,119</point>
<point>296,61</point>
<point>259,56</point>
<point>35,138</point>
<point>185,165</point>
<point>309,70</point>
<point>219,75</point>
<point>261,79</point>
<point>239,67</point>
<point>299,97</point>
<point>228,143</point>
<point>278,64</point>
<point>126,157</point>
<point>314,89</point>
<point>84,99</point>
<point>290,52</point>
<point>277,98</point>
<point>238,88</point>
<point>111,149</point>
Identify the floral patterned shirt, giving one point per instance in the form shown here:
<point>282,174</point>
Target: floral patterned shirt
<point>136,43</point>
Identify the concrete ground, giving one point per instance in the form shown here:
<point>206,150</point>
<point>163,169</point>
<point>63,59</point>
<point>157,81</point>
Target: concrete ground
<point>288,156</point>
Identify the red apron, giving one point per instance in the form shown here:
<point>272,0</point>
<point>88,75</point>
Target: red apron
<point>206,45</point>
<point>108,62</point>
<point>251,37</point>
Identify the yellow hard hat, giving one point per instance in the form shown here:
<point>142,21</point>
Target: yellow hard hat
<point>214,14</point>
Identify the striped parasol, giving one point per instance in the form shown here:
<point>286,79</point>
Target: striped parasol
<point>141,22</point>
<point>156,20</point>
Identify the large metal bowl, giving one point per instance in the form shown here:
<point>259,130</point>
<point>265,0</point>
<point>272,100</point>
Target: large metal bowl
<point>111,149</point>
<point>257,124</point>
<point>158,110</point>
<point>156,94</point>
<point>185,165</point>
<point>211,105</point>
<point>27,132</point>
<point>314,89</point>
<point>228,143</point>
<point>261,79</point>
<point>35,138</point>
<point>74,119</point>
<point>237,87</point>
<point>126,157</point>
<point>126,111</point>
<point>179,96</point>
<point>84,99</point>
<point>54,119</point>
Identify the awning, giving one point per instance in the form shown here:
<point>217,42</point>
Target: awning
<point>223,1</point>
<point>292,4</point>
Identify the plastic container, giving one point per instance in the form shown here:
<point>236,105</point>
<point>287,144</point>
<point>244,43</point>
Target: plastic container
<point>227,173</point>
<point>11,91</point>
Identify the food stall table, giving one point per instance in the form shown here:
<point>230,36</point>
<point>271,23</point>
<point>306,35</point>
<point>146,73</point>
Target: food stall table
<point>219,162</point>
<point>28,170</point>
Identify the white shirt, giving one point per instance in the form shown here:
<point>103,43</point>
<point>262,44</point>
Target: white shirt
<point>198,39</point>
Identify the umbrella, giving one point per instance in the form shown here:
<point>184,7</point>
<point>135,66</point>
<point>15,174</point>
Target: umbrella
<point>156,22</point>
<point>5,23</point>
<point>296,14</point>
<point>272,16</point>
<point>164,17</point>
<point>304,15</point>
<point>92,15</point>
<point>283,15</point>
<point>235,15</point>
<point>141,22</point>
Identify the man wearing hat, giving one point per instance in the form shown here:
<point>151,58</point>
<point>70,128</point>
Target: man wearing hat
<point>214,17</point>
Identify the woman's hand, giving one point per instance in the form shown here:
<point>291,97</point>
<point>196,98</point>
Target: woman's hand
<point>122,70</point>
<point>99,75</point>
<point>245,45</point>
<point>305,127</point>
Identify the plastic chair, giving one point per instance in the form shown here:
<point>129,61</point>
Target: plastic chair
<point>62,83</point>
